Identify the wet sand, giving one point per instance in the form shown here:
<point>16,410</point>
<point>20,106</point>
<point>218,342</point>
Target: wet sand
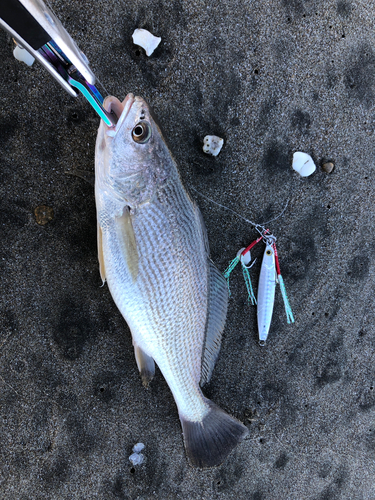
<point>271,78</point>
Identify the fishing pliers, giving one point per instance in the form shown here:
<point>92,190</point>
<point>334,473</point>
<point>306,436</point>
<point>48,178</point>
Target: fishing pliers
<point>36,29</point>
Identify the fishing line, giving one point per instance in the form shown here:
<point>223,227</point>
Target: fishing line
<point>262,225</point>
<point>278,216</point>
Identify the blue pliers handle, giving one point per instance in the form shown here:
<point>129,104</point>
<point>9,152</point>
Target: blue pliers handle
<point>36,28</point>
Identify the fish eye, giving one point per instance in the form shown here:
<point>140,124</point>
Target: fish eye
<point>269,252</point>
<point>141,133</point>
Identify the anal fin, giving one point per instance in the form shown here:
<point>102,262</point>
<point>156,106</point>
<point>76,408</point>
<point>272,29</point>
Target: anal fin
<point>146,365</point>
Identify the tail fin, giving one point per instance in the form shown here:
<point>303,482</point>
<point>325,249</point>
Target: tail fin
<point>210,441</point>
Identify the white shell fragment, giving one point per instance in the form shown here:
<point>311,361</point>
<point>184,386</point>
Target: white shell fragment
<point>136,458</point>
<point>212,145</point>
<point>22,55</point>
<point>138,447</point>
<point>303,164</point>
<point>146,40</point>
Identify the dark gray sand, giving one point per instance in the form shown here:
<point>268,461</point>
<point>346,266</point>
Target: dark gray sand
<point>271,77</point>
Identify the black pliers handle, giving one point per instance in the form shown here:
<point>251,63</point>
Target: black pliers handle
<point>36,28</point>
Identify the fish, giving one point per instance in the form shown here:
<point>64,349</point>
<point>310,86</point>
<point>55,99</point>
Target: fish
<point>153,253</point>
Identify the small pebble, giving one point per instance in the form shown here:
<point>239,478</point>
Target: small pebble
<point>212,145</point>
<point>136,458</point>
<point>138,447</point>
<point>328,167</point>
<point>43,214</point>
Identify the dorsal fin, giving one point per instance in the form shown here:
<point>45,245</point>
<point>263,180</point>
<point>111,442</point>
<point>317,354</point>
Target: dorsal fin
<point>217,312</point>
<point>203,229</point>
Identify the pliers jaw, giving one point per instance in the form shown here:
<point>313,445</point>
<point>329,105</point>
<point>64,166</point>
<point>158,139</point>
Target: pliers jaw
<point>36,28</point>
<point>70,74</point>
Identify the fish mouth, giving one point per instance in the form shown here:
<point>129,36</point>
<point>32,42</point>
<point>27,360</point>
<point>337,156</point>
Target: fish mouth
<point>121,109</point>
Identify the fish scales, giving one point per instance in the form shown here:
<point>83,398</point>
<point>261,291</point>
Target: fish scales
<point>166,271</point>
<point>153,251</point>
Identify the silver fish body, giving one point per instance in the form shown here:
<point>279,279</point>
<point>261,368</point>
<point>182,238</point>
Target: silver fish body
<point>153,252</point>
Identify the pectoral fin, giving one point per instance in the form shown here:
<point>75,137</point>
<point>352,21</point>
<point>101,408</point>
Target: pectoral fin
<point>100,253</point>
<point>125,232</point>
<point>146,365</point>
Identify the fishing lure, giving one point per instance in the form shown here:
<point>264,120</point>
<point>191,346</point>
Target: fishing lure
<point>270,275</point>
<point>266,293</point>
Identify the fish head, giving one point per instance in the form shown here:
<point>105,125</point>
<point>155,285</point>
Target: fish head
<point>132,156</point>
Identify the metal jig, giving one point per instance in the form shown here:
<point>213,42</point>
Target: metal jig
<point>270,275</point>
